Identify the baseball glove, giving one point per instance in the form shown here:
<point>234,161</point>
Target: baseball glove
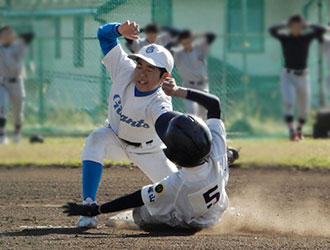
<point>73,209</point>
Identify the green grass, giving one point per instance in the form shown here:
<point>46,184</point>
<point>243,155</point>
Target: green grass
<point>55,151</point>
<point>309,153</point>
<point>258,152</point>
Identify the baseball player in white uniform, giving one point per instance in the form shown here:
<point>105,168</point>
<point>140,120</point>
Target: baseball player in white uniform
<point>12,51</point>
<point>195,196</point>
<point>136,101</point>
<point>191,61</point>
<point>152,35</point>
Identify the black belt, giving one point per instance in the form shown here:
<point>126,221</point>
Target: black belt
<point>136,144</point>
<point>296,72</point>
<point>9,79</point>
<point>197,83</point>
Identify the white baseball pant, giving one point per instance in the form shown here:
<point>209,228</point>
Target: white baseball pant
<point>103,143</point>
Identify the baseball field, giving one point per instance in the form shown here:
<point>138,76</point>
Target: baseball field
<point>279,198</point>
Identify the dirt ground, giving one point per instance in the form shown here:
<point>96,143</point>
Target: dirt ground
<point>269,209</point>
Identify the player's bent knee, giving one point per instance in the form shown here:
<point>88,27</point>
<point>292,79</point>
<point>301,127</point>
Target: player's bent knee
<point>95,146</point>
<point>95,137</point>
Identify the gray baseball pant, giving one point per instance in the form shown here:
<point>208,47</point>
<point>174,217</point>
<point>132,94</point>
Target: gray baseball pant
<point>15,92</point>
<point>193,107</point>
<point>295,90</point>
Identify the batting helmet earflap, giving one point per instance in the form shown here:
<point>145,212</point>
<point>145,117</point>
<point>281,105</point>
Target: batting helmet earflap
<point>187,139</point>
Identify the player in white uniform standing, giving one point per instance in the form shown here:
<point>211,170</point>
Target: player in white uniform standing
<point>135,103</point>
<point>191,61</point>
<point>12,51</point>
<point>152,35</point>
<point>195,196</point>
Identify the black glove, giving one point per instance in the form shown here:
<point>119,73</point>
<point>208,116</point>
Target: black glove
<point>73,209</point>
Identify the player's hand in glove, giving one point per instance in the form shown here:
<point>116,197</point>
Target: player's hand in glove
<point>129,30</point>
<point>72,209</point>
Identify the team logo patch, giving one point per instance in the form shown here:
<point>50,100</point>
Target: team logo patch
<point>159,188</point>
<point>150,49</point>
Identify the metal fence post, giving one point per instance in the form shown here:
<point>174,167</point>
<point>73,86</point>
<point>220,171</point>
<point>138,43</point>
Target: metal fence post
<point>41,113</point>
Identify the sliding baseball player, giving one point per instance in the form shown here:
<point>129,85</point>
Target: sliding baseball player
<point>195,196</point>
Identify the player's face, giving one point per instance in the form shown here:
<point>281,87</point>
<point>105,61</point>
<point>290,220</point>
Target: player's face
<point>7,37</point>
<point>296,28</point>
<point>151,37</point>
<point>146,76</point>
<point>186,44</point>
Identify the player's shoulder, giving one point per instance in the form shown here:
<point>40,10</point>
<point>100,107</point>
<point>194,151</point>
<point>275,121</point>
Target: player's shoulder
<point>160,96</point>
<point>216,126</point>
<point>113,54</point>
<point>160,101</point>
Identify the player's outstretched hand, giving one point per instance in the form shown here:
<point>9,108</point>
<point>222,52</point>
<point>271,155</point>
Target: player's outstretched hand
<point>129,30</point>
<point>171,89</point>
<point>73,209</point>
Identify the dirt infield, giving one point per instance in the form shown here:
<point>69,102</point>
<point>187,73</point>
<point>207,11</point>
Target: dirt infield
<point>270,209</point>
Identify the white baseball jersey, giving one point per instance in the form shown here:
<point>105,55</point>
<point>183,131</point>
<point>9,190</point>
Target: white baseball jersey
<point>192,196</point>
<point>132,117</point>
<point>192,65</point>
<point>162,39</point>
<point>11,59</point>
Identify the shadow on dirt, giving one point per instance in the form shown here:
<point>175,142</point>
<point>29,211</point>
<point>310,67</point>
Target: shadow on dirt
<point>163,230</point>
<point>48,231</point>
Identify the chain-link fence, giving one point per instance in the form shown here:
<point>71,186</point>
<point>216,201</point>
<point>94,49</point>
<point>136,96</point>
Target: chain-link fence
<point>67,86</point>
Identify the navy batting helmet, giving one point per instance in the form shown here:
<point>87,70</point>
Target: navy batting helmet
<point>187,138</point>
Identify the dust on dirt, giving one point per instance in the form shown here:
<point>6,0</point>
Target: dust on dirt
<point>269,208</point>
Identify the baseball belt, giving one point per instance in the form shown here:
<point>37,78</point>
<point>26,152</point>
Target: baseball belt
<point>8,79</point>
<point>297,72</point>
<point>197,82</point>
<point>136,144</point>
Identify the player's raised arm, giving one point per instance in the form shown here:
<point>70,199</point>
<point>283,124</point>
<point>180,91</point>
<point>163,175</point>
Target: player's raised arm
<point>274,30</point>
<point>208,101</point>
<point>116,60</point>
<point>317,31</point>
<point>108,34</point>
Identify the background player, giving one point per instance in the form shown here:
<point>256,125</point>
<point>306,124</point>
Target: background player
<point>195,196</point>
<point>12,50</point>
<point>190,60</point>
<point>152,35</point>
<point>326,49</point>
<point>295,76</point>
<point>135,102</point>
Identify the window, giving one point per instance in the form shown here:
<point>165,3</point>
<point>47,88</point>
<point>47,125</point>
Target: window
<point>57,38</point>
<point>78,41</point>
<point>162,12</point>
<point>245,25</point>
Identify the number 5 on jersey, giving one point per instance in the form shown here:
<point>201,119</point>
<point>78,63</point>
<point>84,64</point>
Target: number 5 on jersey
<point>204,199</point>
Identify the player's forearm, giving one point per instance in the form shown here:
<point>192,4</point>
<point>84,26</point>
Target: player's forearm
<point>210,37</point>
<point>318,29</point>
<point>108,36</point>
<point>273,30</point>
<point>208,101</point>
<point>27,37</point>
<point>125,202</point>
